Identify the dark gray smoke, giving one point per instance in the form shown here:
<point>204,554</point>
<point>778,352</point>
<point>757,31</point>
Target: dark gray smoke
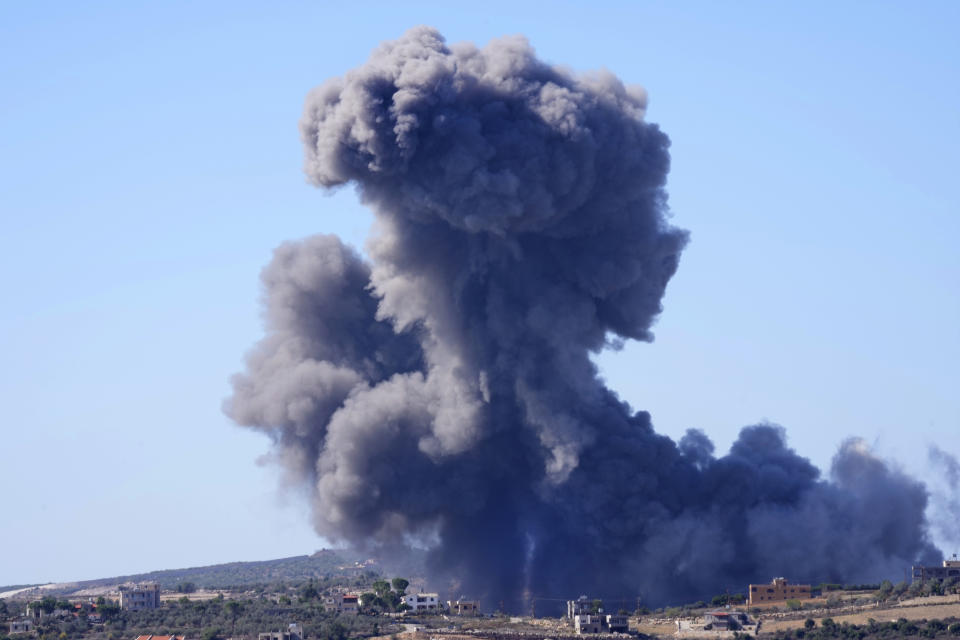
<point>442,395</point>
<point>946,500</point>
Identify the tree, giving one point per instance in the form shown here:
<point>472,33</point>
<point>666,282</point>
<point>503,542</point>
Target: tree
<point>47,605</point>
<point>211,633</point>
<point>109,610</point>
<point>233,609</point>
<point>885,590</point>
<point>381,587</point>
<point>809,623</point>
<point>400,585</point>
<point>794,605</point>
<point>309,592</point>
<point>596,606</point>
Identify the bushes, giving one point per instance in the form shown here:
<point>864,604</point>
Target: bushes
<point>873,630</point>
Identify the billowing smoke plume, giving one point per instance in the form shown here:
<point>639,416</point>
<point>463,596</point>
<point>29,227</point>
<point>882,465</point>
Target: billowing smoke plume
<point>946,496</point>
<point>442,394</point>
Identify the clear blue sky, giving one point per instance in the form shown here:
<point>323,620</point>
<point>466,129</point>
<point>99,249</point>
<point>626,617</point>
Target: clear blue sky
<point>150,162</point>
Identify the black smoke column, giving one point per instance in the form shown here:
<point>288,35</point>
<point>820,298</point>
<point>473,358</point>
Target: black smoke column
<point>443,394</point>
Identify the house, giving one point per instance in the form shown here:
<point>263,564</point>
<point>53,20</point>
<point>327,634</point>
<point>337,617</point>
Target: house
<point>588,617</point>
<point>429,602</point>
<point>463,607</point>
<point>343,603</point>
<point>950,569</point>
<point>724,623</point>
<point>726,620</point>
<point>294,632</point>
<point>779,590</point>
<point>139,597</point>
<point>618,623</point>
<point>589,623</point>
<point>23,625</point>
<point>578,607</point>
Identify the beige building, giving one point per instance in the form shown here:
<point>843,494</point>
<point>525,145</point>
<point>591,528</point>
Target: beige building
<point>141,596</point>
<point>464,607</point>
<point>950,569</point>
<point>343,603</point>
<point>779,590</point>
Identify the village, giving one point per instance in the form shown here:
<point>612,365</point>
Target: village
<point>928,605</point>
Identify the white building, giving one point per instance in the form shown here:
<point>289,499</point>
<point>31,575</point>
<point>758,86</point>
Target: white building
<point>141,596</point>
<point>422,602</point>
<point>294,632</point>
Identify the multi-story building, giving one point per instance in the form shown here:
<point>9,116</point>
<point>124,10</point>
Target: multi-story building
<point>581,606</point>
<point>588,617</point>
<point>950,569</point>
<point>779,590</point>
<point>141,596</point>
<point>464,607</point>
<point>618,623</point>
<point>343,603</point>
<point>429,602</point>
<point>294,632</point>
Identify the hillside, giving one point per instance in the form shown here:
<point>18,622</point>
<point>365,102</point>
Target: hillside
<point>324,563</point>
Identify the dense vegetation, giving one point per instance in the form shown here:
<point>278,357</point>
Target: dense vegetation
<point>873,630</point>
<point>262,575</point>
<point>243,574</point>
<point>211,620</point>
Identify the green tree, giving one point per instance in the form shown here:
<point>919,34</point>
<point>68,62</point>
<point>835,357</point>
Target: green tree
<point>595,606</point>
<point>47,605</point>
<point>186,587</point>
<point>233,610</point>
<point>212,633</point>
<point>109,610</point>
<point>809,623</point>
<point>794,605</point>
<point>885,590</point>
<point>308,592</point>
<point>381,588</point>
<point>400,585</point>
